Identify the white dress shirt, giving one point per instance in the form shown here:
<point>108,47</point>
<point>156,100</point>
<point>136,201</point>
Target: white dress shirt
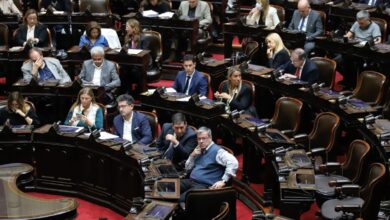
<point>30,32</point>
<point>97,75</point>
<point>9,7</point>
<point>305,19</point>
<point>127,134</point>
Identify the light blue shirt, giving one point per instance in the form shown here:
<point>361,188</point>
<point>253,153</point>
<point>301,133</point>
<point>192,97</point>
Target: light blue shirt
<point>101,41</point>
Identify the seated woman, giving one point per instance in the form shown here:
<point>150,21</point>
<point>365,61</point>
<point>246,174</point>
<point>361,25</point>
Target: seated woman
<point>85,112</point>
<point>93,36</point>
<point>277,53</point>
<point>159,6</point>
<point>237,95</point>
<point>269,15</point>
<point>31,32</point>
<point>18,112</point>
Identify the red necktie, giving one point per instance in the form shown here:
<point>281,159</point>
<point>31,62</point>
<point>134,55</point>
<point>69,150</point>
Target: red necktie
<point>298,72</point>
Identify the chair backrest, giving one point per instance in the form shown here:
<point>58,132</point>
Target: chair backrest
<point>209,90</point>
<point>103,107</point>
<point>31,104</point>
<point>327,69</point>
<point>382,23</point>
<point>3,35</point>
<point>323,18</point>
<point>223,212</point>
<point>372,193</point>
<point>281,13</point>
<point>369,87</point>
<point>353,166</point>
<point>250,48</point>
<point>324,130</point>
<point>248,83</point>
<point>97,6</point>
<point>155,44</point>
<point>287,115</point>
<point>153,121</point>
<point>206,203</point>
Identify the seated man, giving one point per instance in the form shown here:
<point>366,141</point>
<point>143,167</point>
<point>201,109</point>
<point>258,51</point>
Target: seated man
<point>130,125</point>
<point>364,29</point>
<point>9,7</point>
<point>190,9</point>
<point>302,67</point>
<point>100,72</point>
<point>210,166</point>
<point>190,81</point>
<point>309,21</point>
<point>177,140</point>
<point>43,68</point>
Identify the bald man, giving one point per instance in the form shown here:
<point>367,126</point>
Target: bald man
<point>306,20</point>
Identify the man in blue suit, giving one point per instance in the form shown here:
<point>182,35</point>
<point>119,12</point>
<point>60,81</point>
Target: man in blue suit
<point>130,125</point>
<point>177,140</point>
<point>301,68</point>
<point>190,81</point>
<point>306,20</point>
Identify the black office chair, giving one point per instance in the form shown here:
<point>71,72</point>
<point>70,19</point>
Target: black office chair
<point>287,115</point>
<point>156,50</point>
<point>95,6</point>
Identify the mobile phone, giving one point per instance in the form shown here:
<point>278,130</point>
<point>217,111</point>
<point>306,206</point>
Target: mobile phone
<point>78,115</point>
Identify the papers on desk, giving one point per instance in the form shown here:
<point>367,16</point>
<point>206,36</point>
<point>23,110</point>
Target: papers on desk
<point>288,76</point>
<point>361,44</point>
<point>16,48</point>
<point>170,89</point>
<point>166,15</point>
<point>150,14</point>
<point>58,12</point>
<point>106,136</point>
<point>133,51</point>
<point>383,124</point>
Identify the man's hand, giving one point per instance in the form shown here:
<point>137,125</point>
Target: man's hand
<point>172,139</point>
<point>218,185</point>
<point>197,151</point>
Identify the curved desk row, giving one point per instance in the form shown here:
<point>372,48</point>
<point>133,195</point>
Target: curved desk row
<point>76,166</point>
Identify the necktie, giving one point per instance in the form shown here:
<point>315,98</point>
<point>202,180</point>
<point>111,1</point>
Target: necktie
<point>297,72</point>
<point>302,23</point>
<point>187,84</point>
<point>372,2</point>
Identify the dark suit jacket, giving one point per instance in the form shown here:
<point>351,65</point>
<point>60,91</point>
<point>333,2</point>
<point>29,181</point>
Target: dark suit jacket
<point>62,5</point>
<point>40,32</point>
<point>377,3</point>
<point>140,130</point>
<point>314,26</point>
<point>309,72</point>
<point>187,143</point>
<point>242,101</point>
<point>160,8</point>
<point>279,59</point>
<point>198,83</point>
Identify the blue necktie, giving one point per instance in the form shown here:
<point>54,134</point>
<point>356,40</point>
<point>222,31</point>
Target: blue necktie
<point>302,23</point>
<point>187,84</point>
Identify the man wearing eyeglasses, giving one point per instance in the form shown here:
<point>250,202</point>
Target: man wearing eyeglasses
<point>211,166</point>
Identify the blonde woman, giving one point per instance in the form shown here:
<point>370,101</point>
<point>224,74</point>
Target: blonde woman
<point>277,53</point>
<point>269,15</point>
<point>236,95</point>
<point>85,112</point>
<point>134,38</point>
<point>18,112</point>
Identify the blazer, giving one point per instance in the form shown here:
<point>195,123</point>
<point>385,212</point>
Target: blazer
<point>243,100</point>
<point>140,128</point>
<point>16,119</point>
<point>187,144</point>
<point>54,66</point>
<point>309,73</point>
<point>279,59</point>
<point>101,41</point>
<point>314,26</point>
<point>109,77</point>
<point>198,83</point>
<point>202,12</point>
<point>40,32</point>
<point>271,20</point>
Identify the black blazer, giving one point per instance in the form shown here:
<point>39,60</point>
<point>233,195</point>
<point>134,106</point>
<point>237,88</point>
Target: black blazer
<point>16,119</point>
<point>279,59</point>
<point>40,32</point>
<point>309,72</point>
<point>242,101</point>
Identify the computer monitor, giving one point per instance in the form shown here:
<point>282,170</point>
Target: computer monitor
<point>166,189</point>
<point>157,210</point>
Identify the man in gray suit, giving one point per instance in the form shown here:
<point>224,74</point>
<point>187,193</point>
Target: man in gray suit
<point>190,9</point>
<point>99,71</point>
<point>43,68</point>
<point>309,21</point>
<point>196,9</point>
